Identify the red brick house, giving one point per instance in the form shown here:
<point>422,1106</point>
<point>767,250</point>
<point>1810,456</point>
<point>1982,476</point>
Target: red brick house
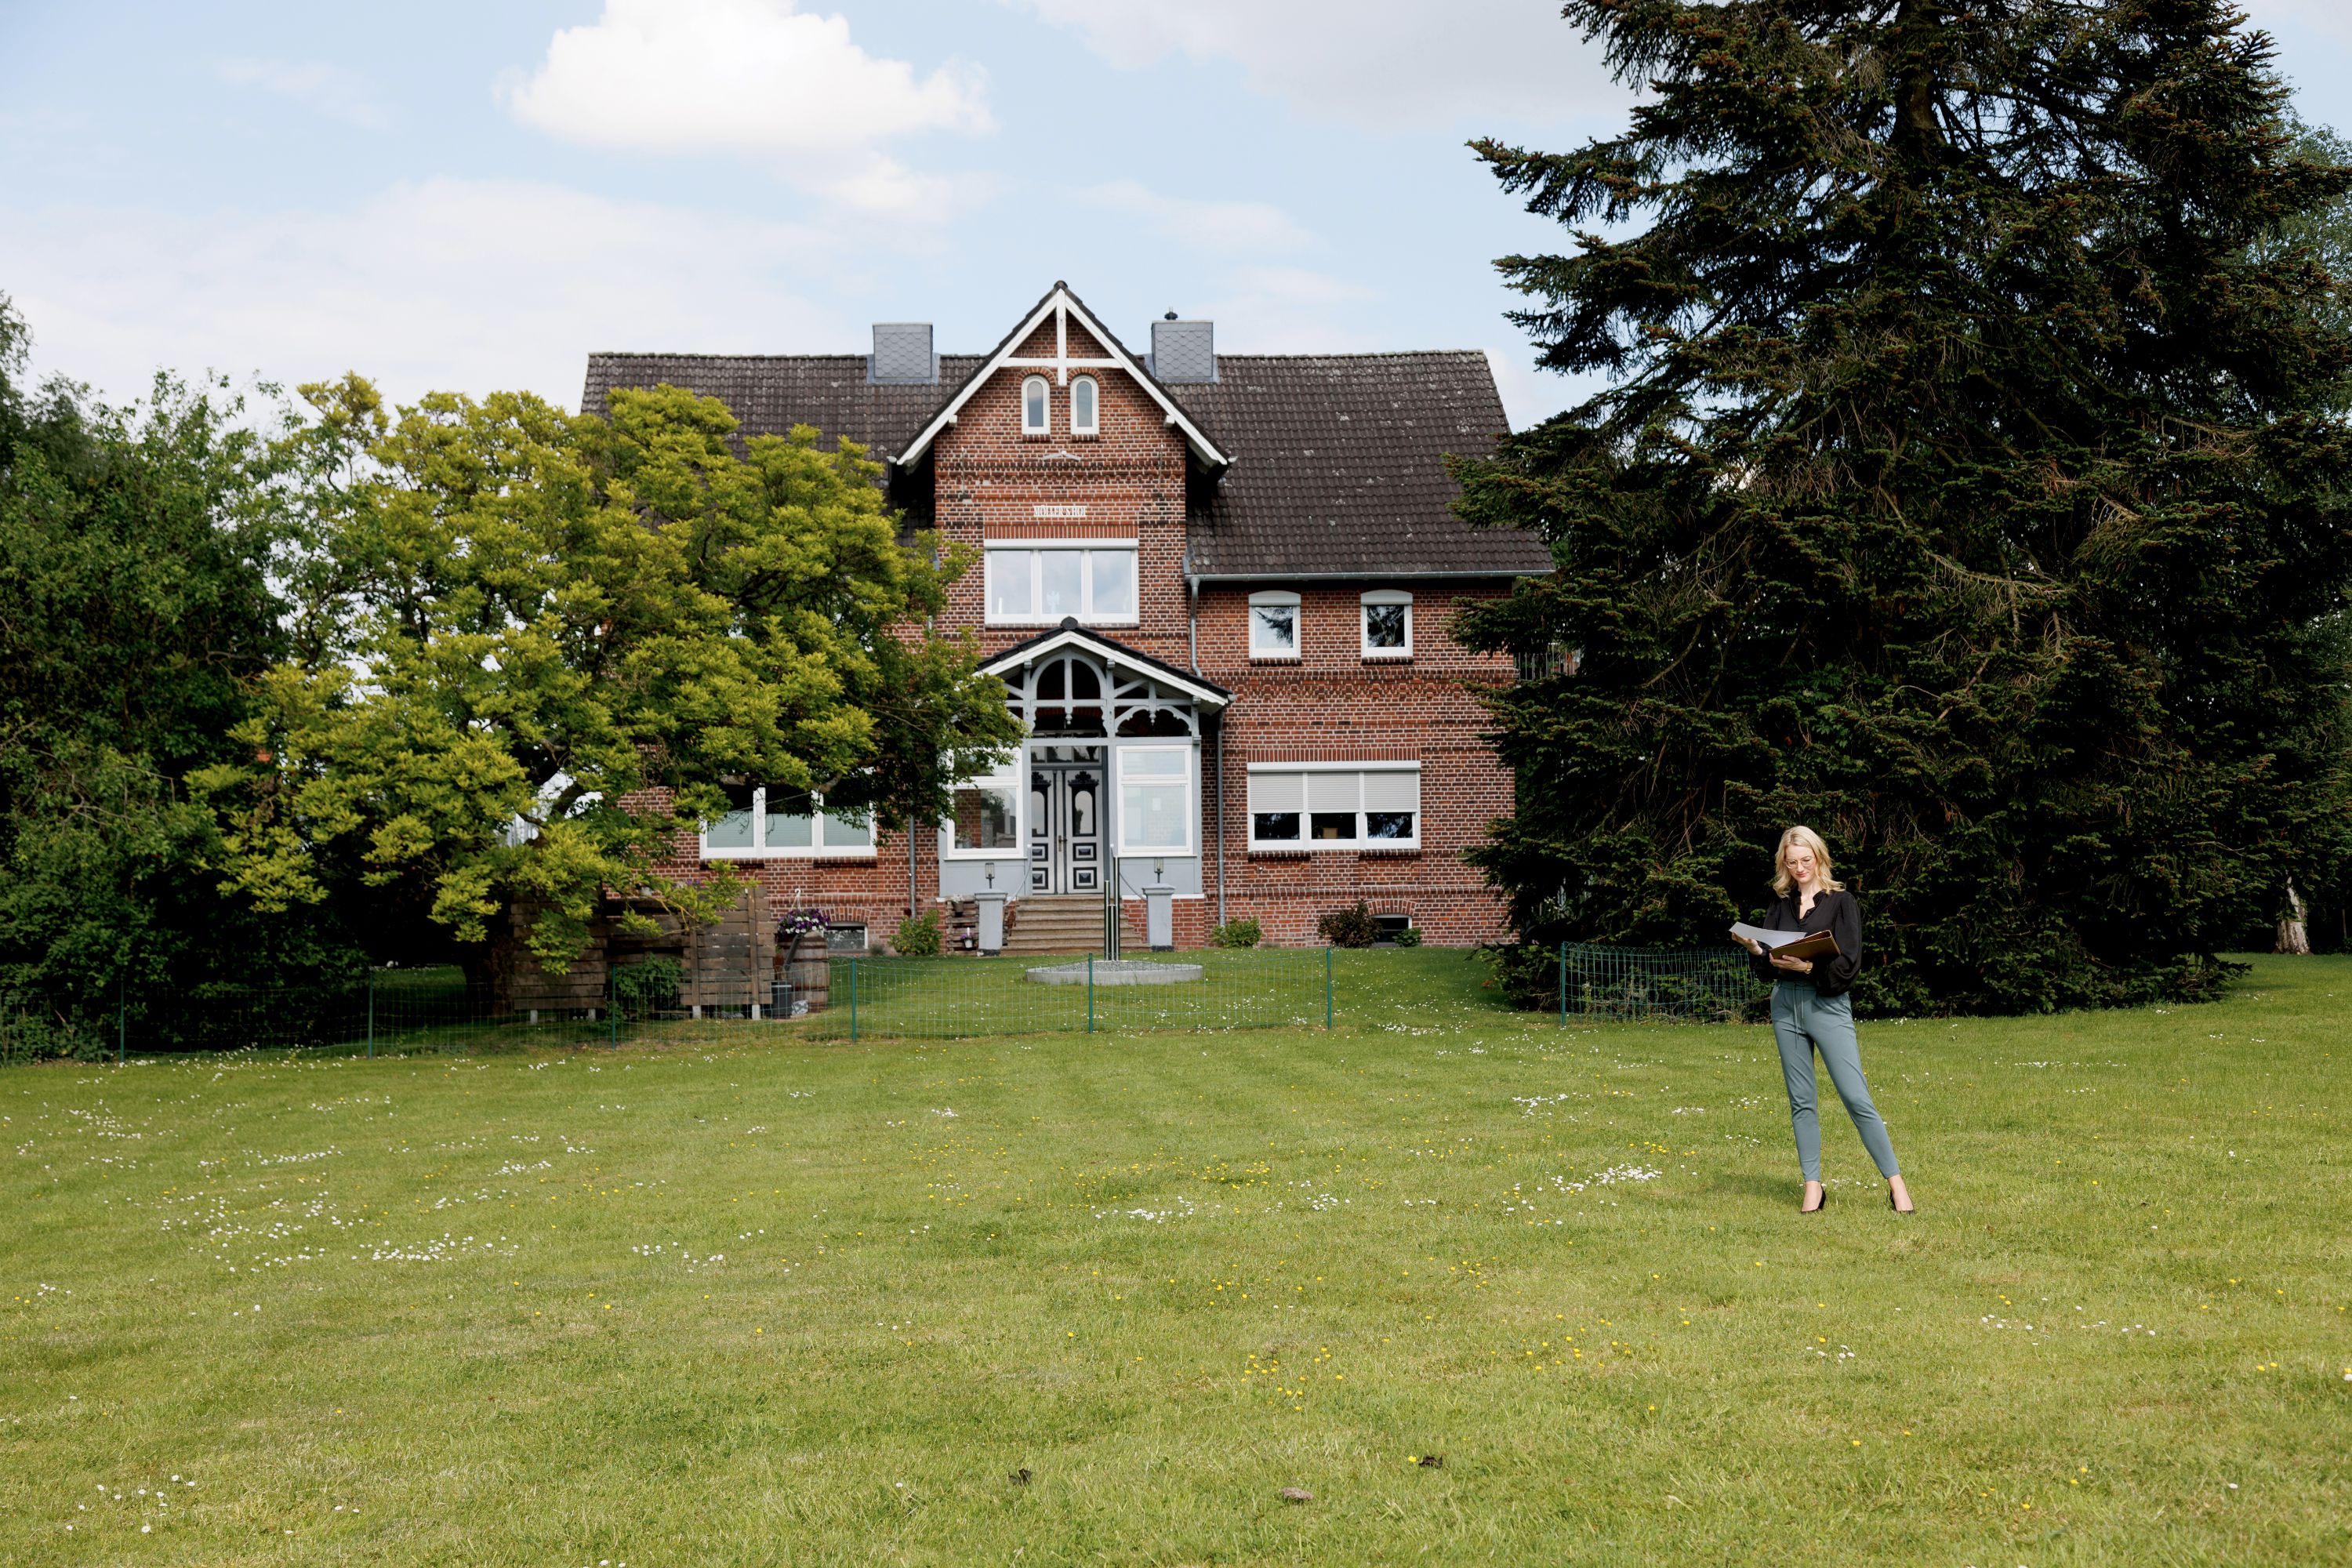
<point>1217,588</point>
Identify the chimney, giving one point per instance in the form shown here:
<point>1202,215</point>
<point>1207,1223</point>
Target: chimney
<point>902,354</point>
<point>1184,350</point>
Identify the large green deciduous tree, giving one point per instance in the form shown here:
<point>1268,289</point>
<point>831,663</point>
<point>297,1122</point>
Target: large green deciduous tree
<point>532,644</point>
<point>135,610</point>
<point>1966,488</point>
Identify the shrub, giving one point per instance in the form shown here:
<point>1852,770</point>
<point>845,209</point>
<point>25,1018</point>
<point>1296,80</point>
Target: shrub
<point>1409,937</point>
<point>1349,927</point>
<point>1236,934</point>
<point>649,986</point>
<point>919,936</point>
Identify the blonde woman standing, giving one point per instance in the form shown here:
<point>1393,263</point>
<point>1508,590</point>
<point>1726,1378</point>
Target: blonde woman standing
<point>1810,1010</point>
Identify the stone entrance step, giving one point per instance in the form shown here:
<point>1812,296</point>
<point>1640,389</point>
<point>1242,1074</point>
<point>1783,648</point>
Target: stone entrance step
<point>1045,922</point>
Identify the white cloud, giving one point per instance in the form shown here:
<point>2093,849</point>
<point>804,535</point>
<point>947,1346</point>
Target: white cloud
<point>752,78</point>
<point>1293,309</point>
<point>1373,62</point>
<point>461,285</point>
<point>1256,227</point>
<point>323,88</point>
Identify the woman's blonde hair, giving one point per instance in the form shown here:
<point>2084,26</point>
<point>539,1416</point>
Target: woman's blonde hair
<point>1782,881</point>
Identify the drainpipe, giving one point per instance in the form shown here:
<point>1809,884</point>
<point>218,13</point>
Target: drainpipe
<point>1217,745</point>
<point>1219,764</point>
<point>1193,620</point>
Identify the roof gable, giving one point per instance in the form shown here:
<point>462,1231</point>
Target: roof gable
<point>1020,350</point>
<point>1112,652</point>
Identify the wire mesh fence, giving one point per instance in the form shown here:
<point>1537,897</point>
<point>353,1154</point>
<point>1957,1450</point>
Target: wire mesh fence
<point>1257,988</point>
<point>401,1011</point>
<point>393,1011</point>
<point>1697,985</point>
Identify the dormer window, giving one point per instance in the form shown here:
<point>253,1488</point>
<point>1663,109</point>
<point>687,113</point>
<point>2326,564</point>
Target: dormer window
<point>1084,416</point>
<point>1034,415</point>
<point>1274,624</point>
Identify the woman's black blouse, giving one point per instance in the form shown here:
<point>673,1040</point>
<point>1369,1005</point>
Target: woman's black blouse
<point>1836,913</point>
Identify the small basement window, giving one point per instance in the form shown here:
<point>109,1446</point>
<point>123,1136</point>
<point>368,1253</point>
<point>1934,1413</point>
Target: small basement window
<point>1393,926</point>
<point>1036,415</point>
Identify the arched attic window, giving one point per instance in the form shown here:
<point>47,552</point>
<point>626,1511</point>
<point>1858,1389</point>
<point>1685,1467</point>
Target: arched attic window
<point>1086,415</point>
<point>1034,407</point>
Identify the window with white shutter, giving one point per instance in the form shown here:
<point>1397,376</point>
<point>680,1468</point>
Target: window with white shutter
<point>1335,805</point>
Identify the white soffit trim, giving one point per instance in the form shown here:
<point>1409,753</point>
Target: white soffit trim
<point>1111,654</point>
<point>1059,306</point>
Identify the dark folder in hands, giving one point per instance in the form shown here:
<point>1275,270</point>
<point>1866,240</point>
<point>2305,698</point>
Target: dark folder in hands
<point>1791,943</point>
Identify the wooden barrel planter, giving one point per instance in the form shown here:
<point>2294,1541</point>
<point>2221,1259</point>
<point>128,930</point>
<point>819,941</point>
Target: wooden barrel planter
<point>810,971</point>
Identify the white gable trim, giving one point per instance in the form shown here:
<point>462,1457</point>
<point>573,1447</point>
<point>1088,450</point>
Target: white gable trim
<point>1060,305</point>
<point>1111,654</point>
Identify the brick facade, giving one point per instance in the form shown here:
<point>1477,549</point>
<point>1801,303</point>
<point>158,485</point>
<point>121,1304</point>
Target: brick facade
<point>989,481</point>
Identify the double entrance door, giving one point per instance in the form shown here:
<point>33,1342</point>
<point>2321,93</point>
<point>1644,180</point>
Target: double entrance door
<point>1065,827</point>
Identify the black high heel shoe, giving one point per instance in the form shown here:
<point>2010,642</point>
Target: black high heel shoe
<point>1898,1208</point>
<point>1819,1206</point>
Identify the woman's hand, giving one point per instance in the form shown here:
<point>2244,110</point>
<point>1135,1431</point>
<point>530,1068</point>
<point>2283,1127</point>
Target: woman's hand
<point>1750,944</point>
<point>1793,965</point>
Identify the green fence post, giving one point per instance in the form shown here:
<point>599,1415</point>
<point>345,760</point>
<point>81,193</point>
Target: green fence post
<point>371,1014</point>
<point>1090,994</point>
<point>853,999</point>
<point>122,1020</point>
<point>1563,986</point>
<point>1326,987</point>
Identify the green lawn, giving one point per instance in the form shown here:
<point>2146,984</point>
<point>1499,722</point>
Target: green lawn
<point>745,1297</point>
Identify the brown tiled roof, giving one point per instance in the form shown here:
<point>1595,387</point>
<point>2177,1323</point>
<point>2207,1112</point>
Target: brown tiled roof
<point>1339,467</point>
<point>1338,458</point>
<point>770,394</point>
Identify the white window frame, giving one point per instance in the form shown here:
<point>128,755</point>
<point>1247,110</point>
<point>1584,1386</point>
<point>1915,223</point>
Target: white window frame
<point>1357,845</point>
<point>1085,549</point>
<point>1006,777</point>
<point>1093,388</point>
<point>1046,427</point>
<point>1191,809</point>
<point>816,848</point>
<point>1274,597</point>
<point>1364,622</point>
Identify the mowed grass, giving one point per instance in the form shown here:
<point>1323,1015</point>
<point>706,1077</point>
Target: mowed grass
<point>728,1300</point>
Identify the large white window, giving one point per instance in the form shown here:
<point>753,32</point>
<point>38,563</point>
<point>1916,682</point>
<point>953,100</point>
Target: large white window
<point>776,820</point>
<point>1274,624</point>
<point>1335,805</point>
<point>1155,800</point>
<point>1042,585</point>
<point>986,817</point>
<point>1084,414</point>
<point>1037,409</point>
<point>1387,624</point>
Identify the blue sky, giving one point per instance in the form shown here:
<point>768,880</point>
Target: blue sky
<point>474,195</point>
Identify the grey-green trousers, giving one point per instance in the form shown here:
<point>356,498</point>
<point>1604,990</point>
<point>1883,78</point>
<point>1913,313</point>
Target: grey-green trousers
<point>1803,1021</point>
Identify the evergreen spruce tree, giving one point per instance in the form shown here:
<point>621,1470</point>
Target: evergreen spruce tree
<point>1968,489</point>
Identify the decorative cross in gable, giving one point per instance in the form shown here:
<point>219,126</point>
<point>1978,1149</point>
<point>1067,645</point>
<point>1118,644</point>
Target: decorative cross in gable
<point>1061,363</point>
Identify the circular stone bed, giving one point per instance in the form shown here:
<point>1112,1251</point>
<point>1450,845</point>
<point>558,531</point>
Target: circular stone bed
<point>1117,971</point>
